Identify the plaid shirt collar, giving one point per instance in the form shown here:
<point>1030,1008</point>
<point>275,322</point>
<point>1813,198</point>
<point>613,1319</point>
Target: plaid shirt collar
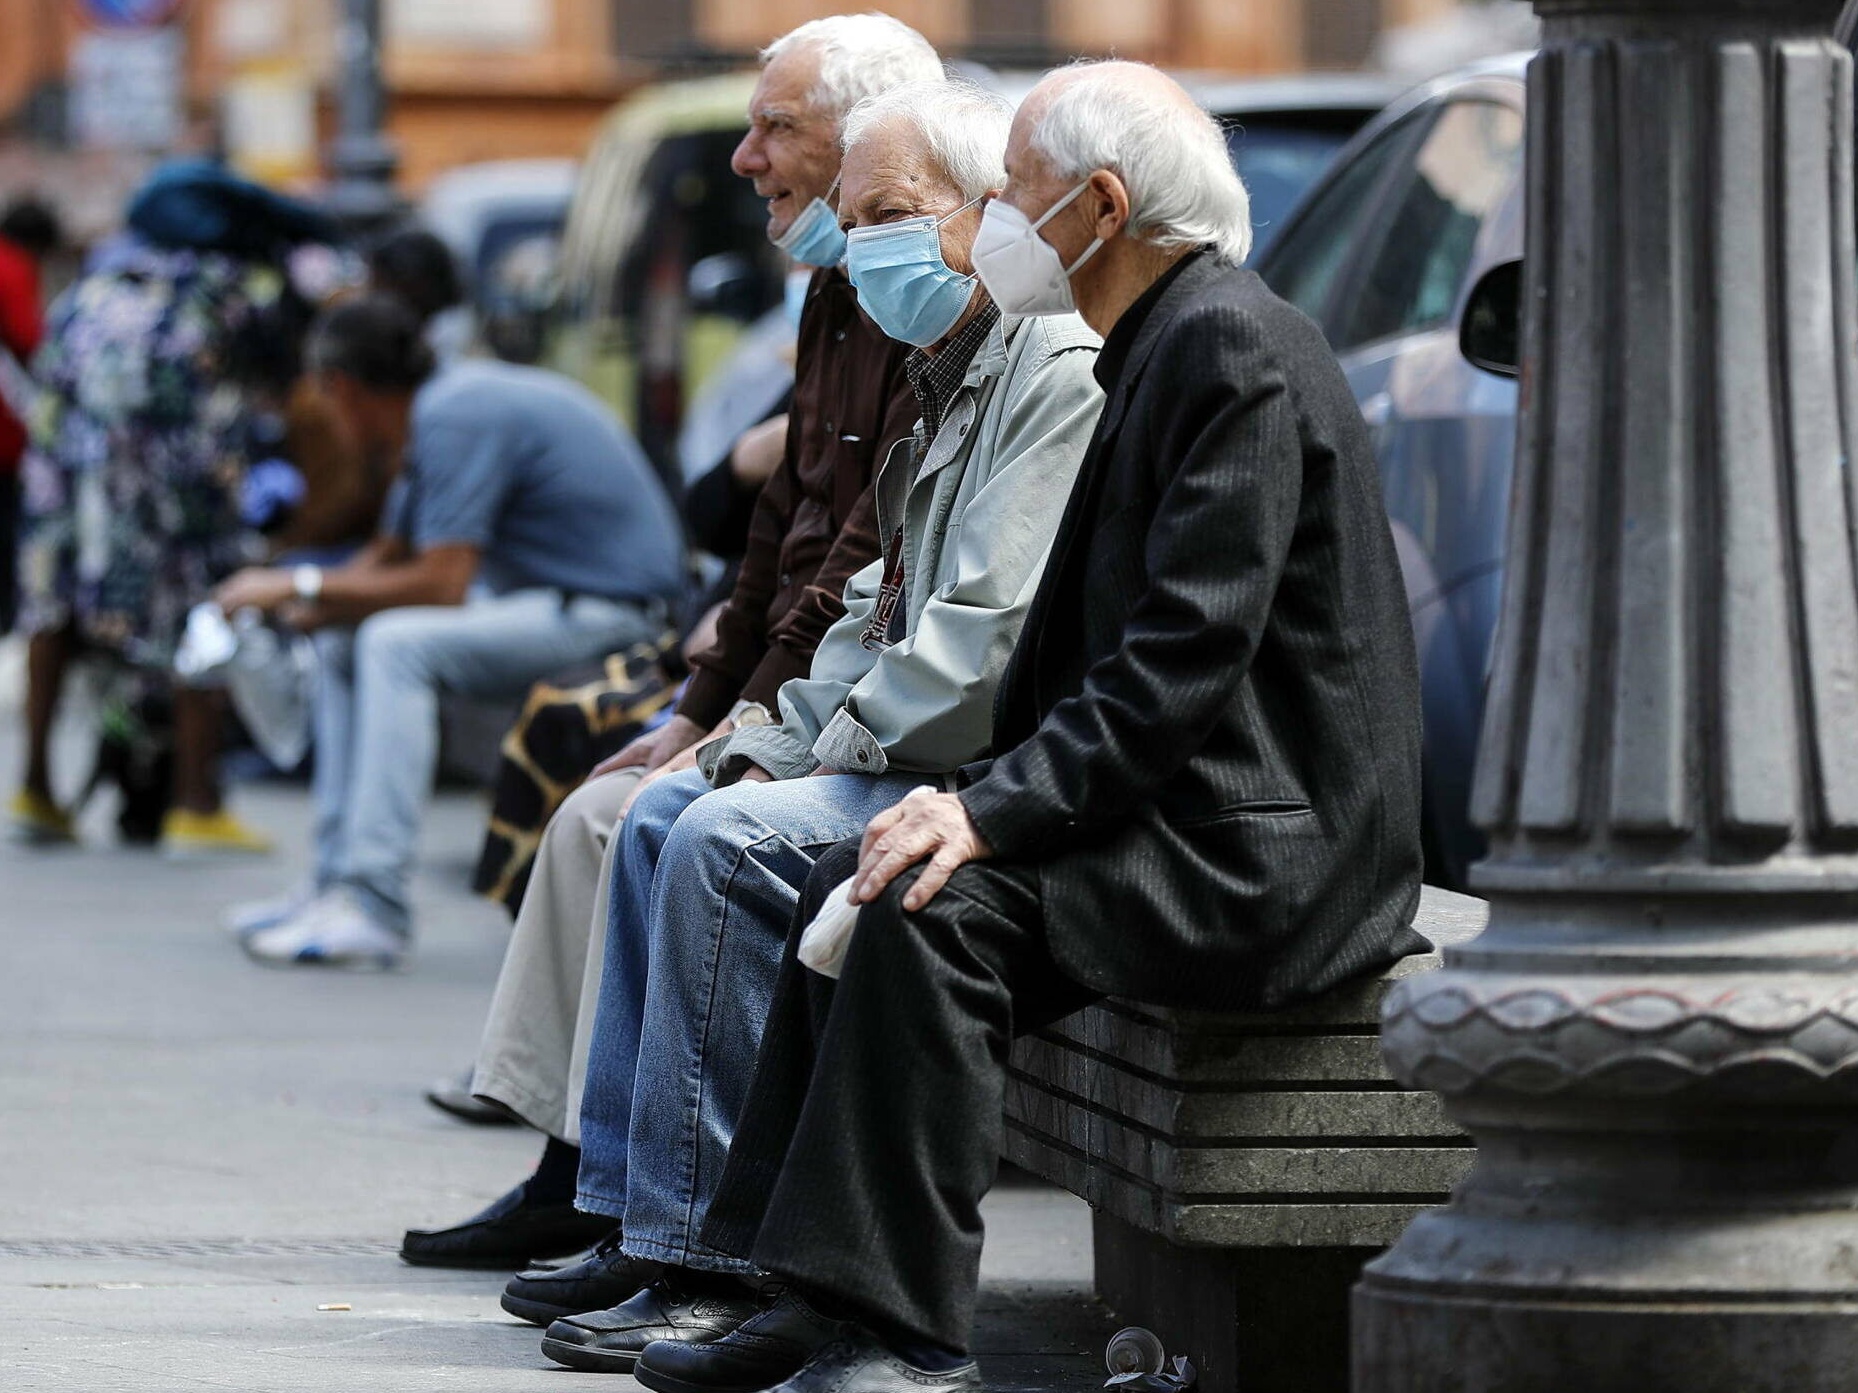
<point>936,377</point>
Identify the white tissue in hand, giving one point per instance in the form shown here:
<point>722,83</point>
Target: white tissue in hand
<point>207,643</point>
<point>823,944</point>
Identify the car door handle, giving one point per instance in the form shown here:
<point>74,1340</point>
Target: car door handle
<point>1377,410</point>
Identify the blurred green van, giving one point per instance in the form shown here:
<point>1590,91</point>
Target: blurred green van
<point>665,259</point>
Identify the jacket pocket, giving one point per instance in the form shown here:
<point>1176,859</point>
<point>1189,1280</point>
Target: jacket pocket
<point>1236,812</point>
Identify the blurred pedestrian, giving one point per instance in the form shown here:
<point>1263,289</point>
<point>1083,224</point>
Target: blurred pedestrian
<point>132,482</point>
<point>417,269</point>
<point>28,234</point>
<point>525,533</point>
<point>1205,788</point>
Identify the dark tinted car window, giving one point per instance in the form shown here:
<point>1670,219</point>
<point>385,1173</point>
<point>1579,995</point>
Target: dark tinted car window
<point>1304,268</point>
<point>1279,157</point>
<point>1430,221</point>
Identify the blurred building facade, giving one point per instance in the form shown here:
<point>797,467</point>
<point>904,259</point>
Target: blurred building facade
<point>489,79</point>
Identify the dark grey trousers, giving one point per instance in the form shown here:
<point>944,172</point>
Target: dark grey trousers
<point>873,1127</point>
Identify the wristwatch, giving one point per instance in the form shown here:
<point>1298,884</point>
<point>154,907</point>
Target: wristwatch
<point>306,583</point>
<point>750,713</point>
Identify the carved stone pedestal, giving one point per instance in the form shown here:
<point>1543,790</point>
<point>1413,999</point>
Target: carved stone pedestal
<point>1655,1044</point>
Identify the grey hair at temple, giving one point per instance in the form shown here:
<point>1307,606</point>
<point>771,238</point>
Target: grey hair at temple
<point>1171,155</point>
<point>859,56</point>
<point>963,125</point>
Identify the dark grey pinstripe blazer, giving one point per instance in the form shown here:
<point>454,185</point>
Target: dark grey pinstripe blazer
<point>1211,723</point>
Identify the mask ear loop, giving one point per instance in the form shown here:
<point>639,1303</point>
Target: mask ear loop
<point>973,277</point>
<point>1057,208</point>
<point>962,209</point>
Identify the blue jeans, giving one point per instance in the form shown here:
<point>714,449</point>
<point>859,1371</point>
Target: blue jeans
<point>377,714</point>
<point>704,886</point>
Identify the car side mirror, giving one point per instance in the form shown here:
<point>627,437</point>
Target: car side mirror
<point>1490,336</point>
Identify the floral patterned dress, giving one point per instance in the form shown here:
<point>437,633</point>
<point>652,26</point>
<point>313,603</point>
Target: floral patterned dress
<point>130,486</point>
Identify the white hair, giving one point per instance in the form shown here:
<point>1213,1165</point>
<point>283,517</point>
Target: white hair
<point>963,126</point>
<point>859,56</point>
<point>1172,156</point>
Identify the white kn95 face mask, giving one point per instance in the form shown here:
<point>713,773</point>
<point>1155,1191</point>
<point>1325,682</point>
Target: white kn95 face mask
<point>1021,270</point>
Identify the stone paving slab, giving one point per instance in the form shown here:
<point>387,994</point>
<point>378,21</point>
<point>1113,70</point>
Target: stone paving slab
<point>196,1152</point>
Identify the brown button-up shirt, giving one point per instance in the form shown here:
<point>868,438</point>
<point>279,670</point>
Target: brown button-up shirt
<point>815,523</point>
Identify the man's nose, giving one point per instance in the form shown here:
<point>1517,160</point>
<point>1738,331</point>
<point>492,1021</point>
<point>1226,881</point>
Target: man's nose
<point>748,159</point>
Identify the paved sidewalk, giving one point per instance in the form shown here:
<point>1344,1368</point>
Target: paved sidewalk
<point>197,1153</point>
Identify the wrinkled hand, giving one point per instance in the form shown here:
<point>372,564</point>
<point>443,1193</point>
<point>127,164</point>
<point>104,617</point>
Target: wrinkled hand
<point>685,758</point>
<point>255,587</point>
<point>755,774</point>
<point>654,747</point>
<point>924,824</point>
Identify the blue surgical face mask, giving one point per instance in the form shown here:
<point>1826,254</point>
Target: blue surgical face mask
<point>902,281</point>
<point>814,238</point>
<point>793,295</point>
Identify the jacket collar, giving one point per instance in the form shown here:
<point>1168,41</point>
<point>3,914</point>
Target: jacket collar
<point>990,360</point>
<point>1132,338</point>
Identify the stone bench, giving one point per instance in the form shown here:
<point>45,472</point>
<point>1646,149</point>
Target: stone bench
<point>1242,1168</point>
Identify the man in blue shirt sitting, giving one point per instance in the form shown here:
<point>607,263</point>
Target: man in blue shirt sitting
<point>526,532</point>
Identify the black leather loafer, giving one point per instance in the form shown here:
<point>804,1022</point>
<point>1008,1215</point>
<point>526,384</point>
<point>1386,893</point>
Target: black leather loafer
<point>859,1364</point>
<point>602,1279</point>
<point>771,1345</point>
<point>610,1342</point>
<point>510,1234</point>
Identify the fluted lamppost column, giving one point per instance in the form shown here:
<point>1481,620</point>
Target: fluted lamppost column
<point>1655,1045</point>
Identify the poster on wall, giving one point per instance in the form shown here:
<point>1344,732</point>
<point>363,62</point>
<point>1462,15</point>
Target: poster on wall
<point>126,89</point>
<point>129,14</point>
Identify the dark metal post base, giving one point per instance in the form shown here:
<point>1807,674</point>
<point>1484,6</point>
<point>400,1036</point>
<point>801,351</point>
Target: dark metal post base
<point>1252,1320</point>
<point>1421,1344</point>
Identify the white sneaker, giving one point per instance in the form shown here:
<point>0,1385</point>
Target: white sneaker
<point>332,931</point>
<point>243,920</point>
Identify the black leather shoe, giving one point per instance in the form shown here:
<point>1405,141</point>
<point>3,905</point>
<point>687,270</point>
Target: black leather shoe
<point>771,1345</point>
<point>859,1364</point>
<point>605,1277</point>
<point>609,1342</point>
<point>511,1233</point>
<point>455,1097</point>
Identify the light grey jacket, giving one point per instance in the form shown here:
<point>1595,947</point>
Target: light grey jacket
<point>978,518</point>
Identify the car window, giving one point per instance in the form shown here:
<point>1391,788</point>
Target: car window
<point>1304,266</point>
<point>1279,157</point>
<point>1430,219</point>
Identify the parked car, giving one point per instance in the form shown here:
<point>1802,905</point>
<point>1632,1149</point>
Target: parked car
<point>1384,253</point>
<point>503,221</point>
<point>666,259</point>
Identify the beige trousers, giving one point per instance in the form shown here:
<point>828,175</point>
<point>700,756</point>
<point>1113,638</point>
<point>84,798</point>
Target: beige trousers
<point>533,1059</point>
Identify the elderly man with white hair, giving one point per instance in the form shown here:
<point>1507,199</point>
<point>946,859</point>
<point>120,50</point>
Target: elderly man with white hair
<point>710,862</point>
<point>1205,789</point>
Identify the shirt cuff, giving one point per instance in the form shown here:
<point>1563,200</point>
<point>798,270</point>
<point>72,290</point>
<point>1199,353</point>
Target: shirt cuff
<point>849,748</point>
<point>1007,824</point>
<point>725,761</point>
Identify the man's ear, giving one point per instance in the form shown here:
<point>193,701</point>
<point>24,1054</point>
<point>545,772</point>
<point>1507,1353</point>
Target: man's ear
<point>1108,200</point>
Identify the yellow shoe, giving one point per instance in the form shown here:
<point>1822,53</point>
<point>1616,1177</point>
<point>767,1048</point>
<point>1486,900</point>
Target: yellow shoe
<point>187,833</point>
<point>39,820</point>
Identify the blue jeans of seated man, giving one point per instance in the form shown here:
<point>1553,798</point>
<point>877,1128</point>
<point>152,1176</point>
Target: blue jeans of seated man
<point>704,886</point>
<point>377,714</point>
